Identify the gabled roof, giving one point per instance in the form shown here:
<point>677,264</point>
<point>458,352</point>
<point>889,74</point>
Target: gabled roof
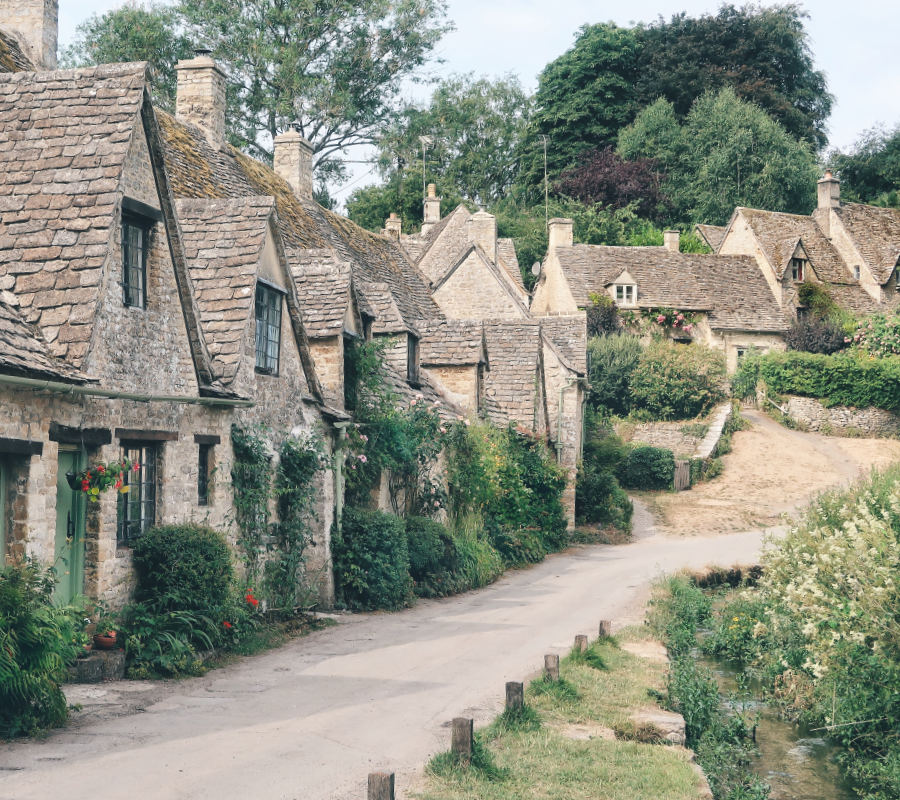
<point>778,235</point>
<point>12,57</point>
<point>499,273</point>
<point>23,350</point>
<point>223,242</point>
<point>510,387</point>
<point>197,170</point>
<point>453,343</point>
<point>711,234</point>
<point>379,303</point>
<point>325,291</point>
<point>509,262</point>
<point>876,233</point>
<point>443,243</point>
<point>568,336</point>
<point>64,137</point>
<point>731,289</point>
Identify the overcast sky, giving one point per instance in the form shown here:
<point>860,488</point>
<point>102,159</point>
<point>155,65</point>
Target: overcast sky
<point>855,43</point>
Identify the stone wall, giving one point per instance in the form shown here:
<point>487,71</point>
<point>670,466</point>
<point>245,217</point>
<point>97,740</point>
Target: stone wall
<point>474,291</point>
<point>814,415</point>
<point>460,383</point>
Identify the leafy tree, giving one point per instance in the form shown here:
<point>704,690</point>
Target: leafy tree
<point>151,32</point>
<point>726,153</point>
<point>474,126</point>
<point>870,172</point>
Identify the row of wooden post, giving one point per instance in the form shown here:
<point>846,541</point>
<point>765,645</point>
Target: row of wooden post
<point>462,732</point>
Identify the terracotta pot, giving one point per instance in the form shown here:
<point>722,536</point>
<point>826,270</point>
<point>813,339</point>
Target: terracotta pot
<point>105,641</point>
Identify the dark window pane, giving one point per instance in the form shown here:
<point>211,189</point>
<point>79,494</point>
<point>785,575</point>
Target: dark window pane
<point>134,261</point>
<point>137,507</point>
<point>268,329</point>
<point>203,475</point>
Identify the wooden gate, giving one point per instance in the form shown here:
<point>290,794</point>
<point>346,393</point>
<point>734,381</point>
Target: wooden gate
<point>682,475</point>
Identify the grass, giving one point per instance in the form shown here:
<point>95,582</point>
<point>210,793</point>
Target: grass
<point>534,757</point>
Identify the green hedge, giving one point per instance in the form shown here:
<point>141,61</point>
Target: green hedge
<point>371,561</point>
<point>185,567</point>
<point>648,468</point>
<point>433,557</point>
<point>841,379</point>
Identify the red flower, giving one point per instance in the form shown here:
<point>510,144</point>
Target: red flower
<point>101,468</point>
<point>118,484</point>
<point>136,467</point>
<point>85,486</point>
<point>251,599</point>
<point>227,625</point>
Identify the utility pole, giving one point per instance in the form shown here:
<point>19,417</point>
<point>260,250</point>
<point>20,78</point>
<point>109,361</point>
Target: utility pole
<point>425,141</point>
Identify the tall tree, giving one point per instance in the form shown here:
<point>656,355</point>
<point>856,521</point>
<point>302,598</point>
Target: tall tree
<point>726,153</point>
<point>870,172</point>
<point>151,32</point>
<point>472,129</point>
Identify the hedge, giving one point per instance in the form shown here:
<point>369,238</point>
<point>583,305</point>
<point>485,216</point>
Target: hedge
<point>841,379</point>
<point>648,468</point>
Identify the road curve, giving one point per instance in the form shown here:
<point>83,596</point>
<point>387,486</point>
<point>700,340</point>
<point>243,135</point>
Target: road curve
<point>311,719</point>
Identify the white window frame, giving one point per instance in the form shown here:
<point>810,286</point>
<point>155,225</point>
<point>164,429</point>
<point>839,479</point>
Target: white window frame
<point>628,292</point>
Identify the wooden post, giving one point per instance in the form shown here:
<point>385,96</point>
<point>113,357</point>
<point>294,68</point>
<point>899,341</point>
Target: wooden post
<point>581,643</point>
<point>605,628</point>
<point>551,667</point>
<point>515,696</point>
<point>381,786</point>
<point>461,738</point>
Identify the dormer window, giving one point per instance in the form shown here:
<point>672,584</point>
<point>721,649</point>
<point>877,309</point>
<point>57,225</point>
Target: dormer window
<point>268,328</point>
<point>856,272</point>
<point>798,269</point>
<point>138,220</point>
<point>412,360</point>
<point>626,294</point>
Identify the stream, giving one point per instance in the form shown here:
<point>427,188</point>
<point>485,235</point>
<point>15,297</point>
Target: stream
<point>799,764</point>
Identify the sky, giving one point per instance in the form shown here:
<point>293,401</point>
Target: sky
<point>854,43</point>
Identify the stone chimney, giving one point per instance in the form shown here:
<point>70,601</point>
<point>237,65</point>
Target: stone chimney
<point>293,162</point>
<point>432,213</point>
<point>200,97</point>
<point>559,233</point>
<point>392,226</point>
<point>829,190</point>
<point>35,23</point>
<point>482,230</point>
<point>671,240</point>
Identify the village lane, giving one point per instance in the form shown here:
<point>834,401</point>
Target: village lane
<point>311,719</point>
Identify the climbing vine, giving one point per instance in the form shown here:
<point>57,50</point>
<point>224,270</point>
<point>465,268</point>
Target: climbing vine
<point>251,477</point>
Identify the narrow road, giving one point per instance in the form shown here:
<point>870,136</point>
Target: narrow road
<point>311,719</point>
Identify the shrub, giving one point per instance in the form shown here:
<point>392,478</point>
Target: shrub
<point>479,563</point>
<point>183,567</point>
<point>648,468</point>
<point>602,315</point>
<point>433,557</point>
<point>675,381</point>
<point>599,500</point>
<point>815,335</point>
<point>166,642</point>
<point>371,560</point>
<point>879,335</point>
<point>613,360</point>
<point>36,645</point>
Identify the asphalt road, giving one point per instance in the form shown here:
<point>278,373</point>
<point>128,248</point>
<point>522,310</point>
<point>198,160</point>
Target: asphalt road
<point>377,691</point>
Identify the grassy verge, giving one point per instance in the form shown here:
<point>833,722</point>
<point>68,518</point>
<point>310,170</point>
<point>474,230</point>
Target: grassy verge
<point>565,744</point>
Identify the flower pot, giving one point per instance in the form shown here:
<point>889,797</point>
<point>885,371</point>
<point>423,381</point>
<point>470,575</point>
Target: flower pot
<point>72,480</point>
<point>85,650</point>
<point>105,641</point>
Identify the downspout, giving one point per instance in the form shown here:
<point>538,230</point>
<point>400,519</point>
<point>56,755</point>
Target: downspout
<point>75,390</point>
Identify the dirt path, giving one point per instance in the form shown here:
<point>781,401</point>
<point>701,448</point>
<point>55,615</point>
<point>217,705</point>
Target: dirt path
<point>770,472</point>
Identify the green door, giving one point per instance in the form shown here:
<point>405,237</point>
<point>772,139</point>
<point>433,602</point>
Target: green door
<point>69,561</point>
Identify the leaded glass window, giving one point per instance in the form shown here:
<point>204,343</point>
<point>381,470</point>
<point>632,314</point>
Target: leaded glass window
<point>137,506</point>
<point>135,237</point>
<point>268,329</point>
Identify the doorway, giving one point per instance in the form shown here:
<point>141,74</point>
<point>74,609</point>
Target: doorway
<point>69,553</point>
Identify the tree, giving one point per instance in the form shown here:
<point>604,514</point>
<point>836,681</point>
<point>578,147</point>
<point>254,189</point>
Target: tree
<point>474,128</point>
<point>726,153</point>
<point>870,172</point>
<point>151,33</point>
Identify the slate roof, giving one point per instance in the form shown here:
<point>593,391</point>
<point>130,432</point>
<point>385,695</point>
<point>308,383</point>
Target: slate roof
<point>730,288</point>
<point>64,136</point>
<point>509,261</point>
<point>12,57</point>
<point>876,234</point>
<point>711,234</point>
<point>778,234</point>
<point>23,350</point>
<point>510,385</point>
<point>444,243</point>
<point>428,392</point>
<point>380,303</point>
<point>324,288</point>
<point>223,242</point>
<point>197,170</point>
<point>452,343</point>
<point>568,335</point>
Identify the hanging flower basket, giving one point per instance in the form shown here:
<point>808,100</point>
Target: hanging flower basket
<point>101,477</point>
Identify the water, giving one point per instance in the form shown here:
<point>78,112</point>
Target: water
<point>798,763</point>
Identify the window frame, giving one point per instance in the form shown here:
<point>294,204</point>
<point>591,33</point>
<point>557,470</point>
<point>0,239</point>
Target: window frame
<point>798,268</point>
<point>628,292</point>
<point>148,458</point>
<point>142,226</point>
<point>412,360</point>
<point>204,472</point>
<point>266,363</point>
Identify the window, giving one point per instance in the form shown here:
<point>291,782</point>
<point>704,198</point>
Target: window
<point>897,279</point>
<point>137,507</point>
<point>135,241</point>
<point>741,352</point>
<point>856,272</point>
<point>204,463</point>
<point>268,329</point>
<point>625,294</point>
<point>351,372</point>
<point>412,359</point>
<point>797,268</point>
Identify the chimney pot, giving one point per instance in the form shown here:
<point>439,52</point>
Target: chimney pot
<point>432,209</point>
<point>671,240</point>
<point>293,162</point>
<point>559,233</point>
<point>200,97</point>
<point>829,191</point>
<point>35,23</point>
